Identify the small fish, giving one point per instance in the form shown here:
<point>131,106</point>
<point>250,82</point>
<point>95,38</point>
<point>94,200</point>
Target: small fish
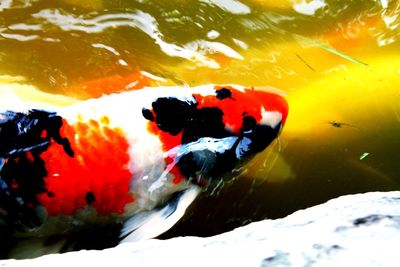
<point>136,158</point>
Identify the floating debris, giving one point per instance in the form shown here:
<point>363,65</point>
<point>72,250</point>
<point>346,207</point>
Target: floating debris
<point>308,65</point>
<point>364,155</point>
<point>330,49</point>
<point>337,124</point>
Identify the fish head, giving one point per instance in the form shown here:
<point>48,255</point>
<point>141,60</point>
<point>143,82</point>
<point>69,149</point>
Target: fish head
<point>217,129</point>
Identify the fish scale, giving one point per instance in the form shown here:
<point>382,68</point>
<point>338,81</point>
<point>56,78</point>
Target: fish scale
<point>105,176</point>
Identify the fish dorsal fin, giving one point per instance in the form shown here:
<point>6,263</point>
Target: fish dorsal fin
<point>150,224</point>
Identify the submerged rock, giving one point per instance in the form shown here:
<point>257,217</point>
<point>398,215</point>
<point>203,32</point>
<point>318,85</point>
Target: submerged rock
<point>354,230</point>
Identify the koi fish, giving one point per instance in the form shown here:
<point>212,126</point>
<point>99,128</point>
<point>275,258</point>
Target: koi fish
<point>137,158</point>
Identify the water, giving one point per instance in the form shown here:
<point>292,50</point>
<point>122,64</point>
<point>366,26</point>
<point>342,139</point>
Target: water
<point>337,61</point>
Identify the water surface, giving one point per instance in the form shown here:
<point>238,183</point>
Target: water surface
<point>337,61</point>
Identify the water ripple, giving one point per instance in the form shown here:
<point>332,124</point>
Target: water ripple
<point>232,6</point>
<point>391,18</point>
<point>9,4</point>
<point>138,20</point>
<point>204,47</point>
<point>5,4</point>
<point>20,37</point>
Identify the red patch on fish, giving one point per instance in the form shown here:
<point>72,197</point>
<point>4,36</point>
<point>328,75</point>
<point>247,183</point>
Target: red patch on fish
<point>271,102</point>
<point>236,106</point>
<point>97,174</point>
<point>249,102</point>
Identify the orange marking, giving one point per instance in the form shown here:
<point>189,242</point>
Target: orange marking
<point>99,166</point>
<point>112,84</point>
<point>104,120</point>
<point>354,34</point>
<point>222,59</point>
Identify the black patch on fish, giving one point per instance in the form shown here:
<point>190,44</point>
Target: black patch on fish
<point>175,116</point>
<point>90,198</point>
<point>147,114</point>
<point>20,132</point>
<point>204,122</point>
<point>18,202</point>
<point>172,114</point>
<point>223,93</point>
<point>249,123</point>
<point>23,137</point>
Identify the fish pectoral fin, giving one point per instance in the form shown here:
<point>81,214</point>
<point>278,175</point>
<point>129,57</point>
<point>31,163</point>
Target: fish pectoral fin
<point>150,224</point>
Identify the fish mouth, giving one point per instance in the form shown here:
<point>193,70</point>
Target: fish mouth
<point>256,140</point>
